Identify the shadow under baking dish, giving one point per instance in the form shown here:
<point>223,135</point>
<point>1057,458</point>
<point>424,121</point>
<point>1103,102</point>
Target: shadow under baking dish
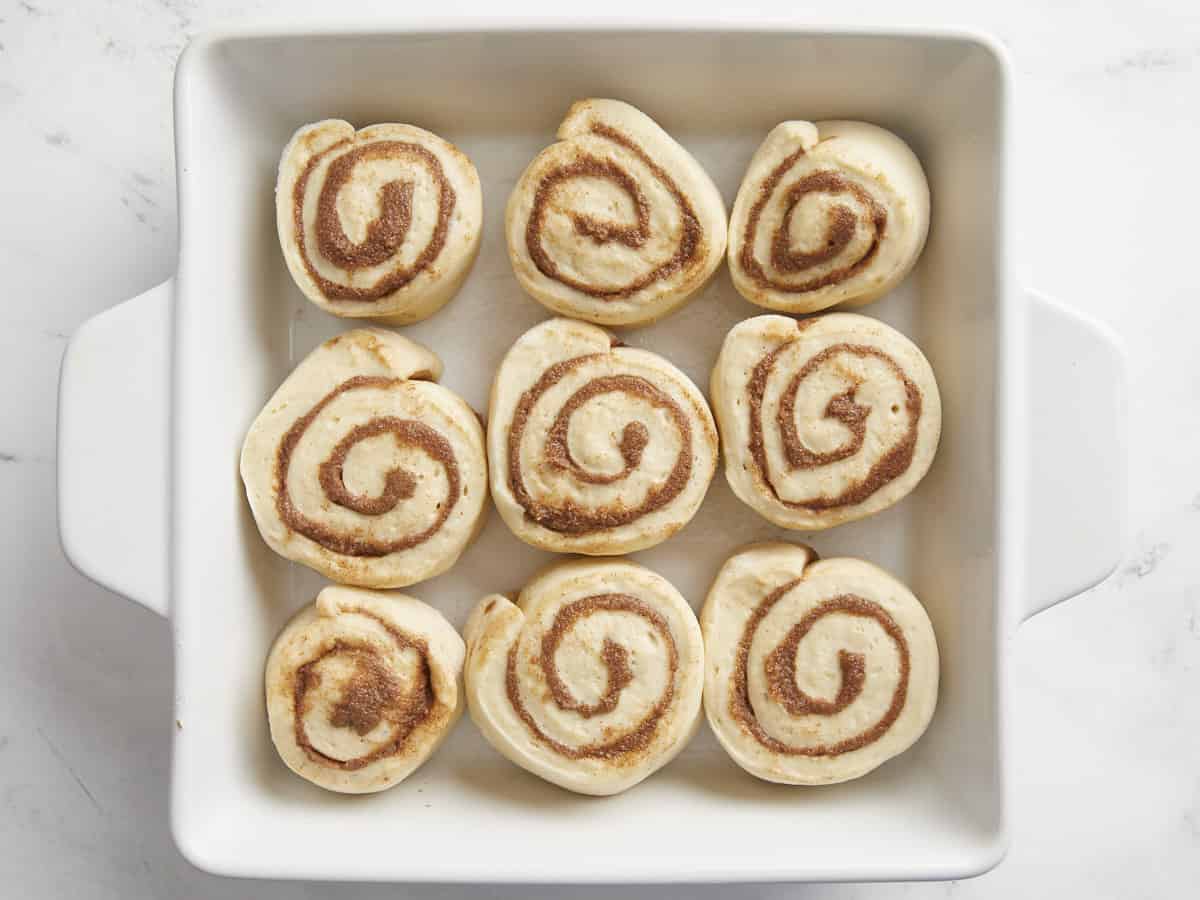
<point>241,324</point>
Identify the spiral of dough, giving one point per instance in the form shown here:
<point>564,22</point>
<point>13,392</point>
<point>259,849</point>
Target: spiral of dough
<point>828,213</point>
<point>616,223</point>
<point>823,420</point>
<point>816,671</point>
<point>362,687</point>
<point>384,222</point>
<point>364,468</point>
<point>592,679</point>
<point>595,448</point>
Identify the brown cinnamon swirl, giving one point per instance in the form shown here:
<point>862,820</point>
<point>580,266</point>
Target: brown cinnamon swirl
<point>383,222</point>
<point>364,468</point>
<point>616,223</point>
<point>825,420</point>
<point>362,687</point>
<point>595,448</point>
<point>817,672</point>
<point>828,213</point>
<point>592,679</point>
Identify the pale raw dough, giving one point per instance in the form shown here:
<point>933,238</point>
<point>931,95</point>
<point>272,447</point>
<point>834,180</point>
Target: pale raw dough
<point>859,374</point>
<point>845,608</point>
<point>609,268</point>
<point>614,617</point>
<point>621,450</point>
<point>855,204</point>
<point>378,679</point>
<point>401,400</point>
<point>409,158</point>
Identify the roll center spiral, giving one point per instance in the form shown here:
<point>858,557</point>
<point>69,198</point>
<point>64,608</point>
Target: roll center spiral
<point>373,695</point>
<point>634,436</point>
<point>843,408</point>
<point>399,484</point>
<point>687,241</point>
<point>780,665</point>
<point>371,691</point>
<point>599,230</point>
<point>385,234</point>
<point>620,674</point>
<point>566,516</point>
<point>842,223</point>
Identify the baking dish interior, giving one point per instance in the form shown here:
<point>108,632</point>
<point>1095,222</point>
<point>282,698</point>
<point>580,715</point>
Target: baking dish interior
<point>241,324</point>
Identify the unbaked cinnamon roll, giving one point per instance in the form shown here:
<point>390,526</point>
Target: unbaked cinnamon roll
<point>616,223</point>
<point>592,680</point>
<point>815,671</point>
<point>362,687</point>
<point>595,447</point>
<point>383,222</point>
<point>823,420</point>
<point>828,213</point>
<point>364,468</point>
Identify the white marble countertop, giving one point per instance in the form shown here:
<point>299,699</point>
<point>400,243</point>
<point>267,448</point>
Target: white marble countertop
<point>1106,723</point>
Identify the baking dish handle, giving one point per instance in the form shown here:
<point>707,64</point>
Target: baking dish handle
<point>112,448</point>
<point>1077,456</point>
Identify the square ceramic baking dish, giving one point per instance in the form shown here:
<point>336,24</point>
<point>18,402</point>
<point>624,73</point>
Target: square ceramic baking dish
<point>1023,505</point>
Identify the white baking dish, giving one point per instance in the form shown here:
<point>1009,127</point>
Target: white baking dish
<point>1022,508</point>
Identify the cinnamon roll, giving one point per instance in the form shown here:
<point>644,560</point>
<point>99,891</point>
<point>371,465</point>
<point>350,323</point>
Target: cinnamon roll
<point>364,468</point>
<point>816,672</point>
<point>592,680</point>
<point>362,687</point>
<point>828,213</point>
<point>616,223</point>
<point>383,222</point>
<point>595,447</point>
<point>823,420</point>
